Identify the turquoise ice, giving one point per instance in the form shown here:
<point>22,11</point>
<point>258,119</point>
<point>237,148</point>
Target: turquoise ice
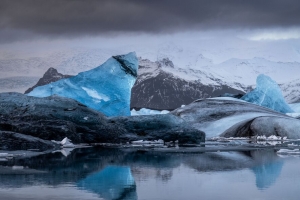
<point>106,88</point>
<point>268,94</point>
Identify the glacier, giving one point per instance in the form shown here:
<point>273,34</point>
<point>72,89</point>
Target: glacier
<point>267,94</point>
<point>106,88</point>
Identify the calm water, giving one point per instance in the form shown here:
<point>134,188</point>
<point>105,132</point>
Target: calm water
<point>111,173</point>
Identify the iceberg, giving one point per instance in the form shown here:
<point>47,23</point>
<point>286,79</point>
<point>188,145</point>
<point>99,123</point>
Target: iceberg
<point>106,88</point>
<point>267,94</point>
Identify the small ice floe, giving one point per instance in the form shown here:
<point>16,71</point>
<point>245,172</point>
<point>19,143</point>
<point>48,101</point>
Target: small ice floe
<point>65,143</point>
<point>15,167</point>
<point>288,152</point>
<point>293,145</point>
<point>148,142</point>
<point>270,138</point>
<point>3,155</point>
<point>86,118</point>
<point>227,139</point>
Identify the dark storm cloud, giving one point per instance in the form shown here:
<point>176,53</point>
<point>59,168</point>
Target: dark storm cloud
<point>91,17</point>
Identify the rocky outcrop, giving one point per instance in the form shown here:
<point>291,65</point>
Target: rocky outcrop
<point>51,75</point>
<point>54,118</point>
<point>166,127</point>
<point>16,141</point>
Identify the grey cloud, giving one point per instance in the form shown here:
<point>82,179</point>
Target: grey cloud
<point>72,18</point>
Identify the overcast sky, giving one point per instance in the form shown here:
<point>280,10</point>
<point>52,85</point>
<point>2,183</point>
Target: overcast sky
<point>56,21</point>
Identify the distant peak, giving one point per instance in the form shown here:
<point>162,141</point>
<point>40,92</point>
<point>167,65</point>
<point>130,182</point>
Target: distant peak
<point>165,62</point>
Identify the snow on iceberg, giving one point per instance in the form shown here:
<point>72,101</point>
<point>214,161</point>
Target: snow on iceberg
<point>268,94</point>
<point>106,88</point>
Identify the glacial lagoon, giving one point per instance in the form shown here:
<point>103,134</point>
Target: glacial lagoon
<point>203,172</point>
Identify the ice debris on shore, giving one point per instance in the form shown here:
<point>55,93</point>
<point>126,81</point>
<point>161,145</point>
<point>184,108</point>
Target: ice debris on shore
<point>65,143</point>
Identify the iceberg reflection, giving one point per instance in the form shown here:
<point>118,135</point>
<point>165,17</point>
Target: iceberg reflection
<point>113,182</point>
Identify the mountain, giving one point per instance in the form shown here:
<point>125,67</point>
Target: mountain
<point>291,91</point>
<point>51,75</point>
<point>161,86</point>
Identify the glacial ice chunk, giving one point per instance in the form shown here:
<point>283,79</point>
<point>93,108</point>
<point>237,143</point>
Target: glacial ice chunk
<point>268,94</point>
<point>106,88</point>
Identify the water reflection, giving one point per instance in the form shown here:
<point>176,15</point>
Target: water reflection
<point>112,173</point>
<point>113,182</point>
<point>267,169</point>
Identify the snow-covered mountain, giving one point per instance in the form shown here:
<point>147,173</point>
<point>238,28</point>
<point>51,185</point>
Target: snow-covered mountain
<point>291,91</point>
<point>160,85</point>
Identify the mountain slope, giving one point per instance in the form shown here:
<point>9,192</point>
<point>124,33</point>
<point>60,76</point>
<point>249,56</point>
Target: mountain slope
<point>291,91</point>
<point>160,89</point>
<point>51,75</point>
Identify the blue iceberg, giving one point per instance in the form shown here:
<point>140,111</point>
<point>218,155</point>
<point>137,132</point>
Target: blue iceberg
<point>106,88</point>
<point>268,94</point>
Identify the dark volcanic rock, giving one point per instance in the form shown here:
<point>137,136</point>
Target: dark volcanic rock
<point>51,75</point>
<point>153,127</point>
<point>54,118</point>
<point>17,141</point>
